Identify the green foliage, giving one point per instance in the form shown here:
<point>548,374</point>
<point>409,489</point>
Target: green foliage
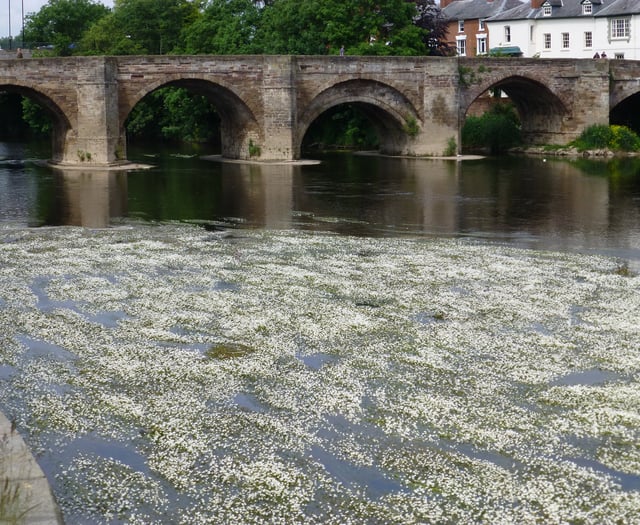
<point>601,136</point>
<point>254,149</point>
<point>411,127</point>
<point>141,27</point>
<point>344,126</point>
<point>623,139</point>
<point>172,113</point>
<point>383,27</point>
<point>497,130</point>
<point>225,27</point>
<point>594,137</point>
<point>61,23</point>
<point>452,147</point>
<point>36,117</point>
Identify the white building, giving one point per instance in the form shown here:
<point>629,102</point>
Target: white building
<point>570,28</point>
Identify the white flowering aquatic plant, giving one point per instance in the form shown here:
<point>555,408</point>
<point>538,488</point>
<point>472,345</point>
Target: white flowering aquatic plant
<point>292,377</point>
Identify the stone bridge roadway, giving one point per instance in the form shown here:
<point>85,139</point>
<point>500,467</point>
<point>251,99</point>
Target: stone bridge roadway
<point>267,103</point>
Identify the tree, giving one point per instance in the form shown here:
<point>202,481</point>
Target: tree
<point>151,27</point>
<point>61,23</point>
<point>430,18</point>
<point>225,27</point>
<point>362,26</point>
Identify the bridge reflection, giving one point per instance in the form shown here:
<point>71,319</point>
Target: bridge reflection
<point>553,204</point>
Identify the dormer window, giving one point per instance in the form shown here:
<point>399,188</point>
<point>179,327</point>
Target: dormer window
<point>546,9</point>
<point>587,8</point>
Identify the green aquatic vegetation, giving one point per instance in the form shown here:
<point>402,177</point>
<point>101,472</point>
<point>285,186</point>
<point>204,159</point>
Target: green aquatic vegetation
<point>285,398</point>
<point>228,351</point>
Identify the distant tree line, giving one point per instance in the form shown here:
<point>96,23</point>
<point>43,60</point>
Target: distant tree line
<point>133,27</point>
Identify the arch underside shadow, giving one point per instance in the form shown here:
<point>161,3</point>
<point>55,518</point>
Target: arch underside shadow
<point>61,127</point>
<point>627,113</point>
<point>387,110</point>
<point>238,125</point>
<point>541,112</point>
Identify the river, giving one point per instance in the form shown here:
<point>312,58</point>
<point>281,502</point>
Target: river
<point>361,339</point>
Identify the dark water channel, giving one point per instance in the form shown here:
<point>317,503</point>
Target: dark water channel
<point>534,202</point>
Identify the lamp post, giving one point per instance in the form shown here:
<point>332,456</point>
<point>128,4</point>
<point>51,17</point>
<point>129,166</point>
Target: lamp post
<point>9,24</point>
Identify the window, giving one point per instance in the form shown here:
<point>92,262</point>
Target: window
<point>565,40</point>
<point>507,33</point>
<point>461,46</point>
<point>481,45</point>
<point>460,26</point>
<point>530,33</point>
<point>546,10</point>
<point>619,28</point>
<point>588,39</point>
<point>587,8</point>
<point>619,56</point>
<point>547,40</point>
<point>481,25</point>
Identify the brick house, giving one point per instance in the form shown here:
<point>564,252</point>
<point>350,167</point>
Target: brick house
<point>466,28</point>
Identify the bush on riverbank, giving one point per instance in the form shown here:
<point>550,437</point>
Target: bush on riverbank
<point>495,131</point>
<point>614,138</point>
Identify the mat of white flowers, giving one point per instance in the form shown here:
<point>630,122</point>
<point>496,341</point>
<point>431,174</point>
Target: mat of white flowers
<point>171,374</point>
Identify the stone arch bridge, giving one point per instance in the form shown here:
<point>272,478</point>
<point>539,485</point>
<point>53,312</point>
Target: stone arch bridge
<point>267,103</point>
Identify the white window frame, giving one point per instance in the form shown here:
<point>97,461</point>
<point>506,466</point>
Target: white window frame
<point>619,56</point>
<point>619,28</point>
<point>507,34</point>
<point>587,8</point>
<point>481,44</point>
<point>588,40</point>
<point>481,25</point>
<point>546,10</point>
<point>460,26</point>
<point>461,46</point>
<point>546,37</point>
<point>566,41</point>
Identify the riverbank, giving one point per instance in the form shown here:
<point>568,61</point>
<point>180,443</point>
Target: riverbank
<point>25,495</point>
<point>594,154</point>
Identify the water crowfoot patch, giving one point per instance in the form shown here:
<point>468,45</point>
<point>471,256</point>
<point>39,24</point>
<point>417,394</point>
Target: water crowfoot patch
<point>163,373</point>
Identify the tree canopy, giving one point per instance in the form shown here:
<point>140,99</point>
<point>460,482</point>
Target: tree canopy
<point>363,27</point>
<point>61,24</point>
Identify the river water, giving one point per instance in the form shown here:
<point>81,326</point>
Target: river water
<point>360,339</point>
<point>536,202</point>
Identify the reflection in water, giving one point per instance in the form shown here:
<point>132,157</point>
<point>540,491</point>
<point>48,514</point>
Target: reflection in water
<point>554,204</point>
<point>92,198</point>
<point>259,194</point>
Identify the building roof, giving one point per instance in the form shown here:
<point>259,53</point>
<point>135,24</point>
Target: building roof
<point>570,9</point>
<point>619,7</point>
<point>478,9</point>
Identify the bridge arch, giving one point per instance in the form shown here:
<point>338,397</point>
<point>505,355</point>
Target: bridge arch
<point>238,123</point>
<point>62,128</point>
<point>542,112</point>
<point>626,112</point>
<point>388,110</point>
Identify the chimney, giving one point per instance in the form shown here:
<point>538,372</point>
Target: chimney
<point>445,3</point>
<point>536,4</point>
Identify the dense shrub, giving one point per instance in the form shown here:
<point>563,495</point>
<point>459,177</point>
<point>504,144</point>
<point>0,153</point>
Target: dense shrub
<point>601,136</point>
<point>624,139</point>
<point>597,136</point>
<point>497,130</point>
